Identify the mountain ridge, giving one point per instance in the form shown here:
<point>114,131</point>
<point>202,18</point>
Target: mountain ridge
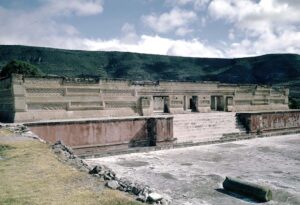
<point>276,69</point>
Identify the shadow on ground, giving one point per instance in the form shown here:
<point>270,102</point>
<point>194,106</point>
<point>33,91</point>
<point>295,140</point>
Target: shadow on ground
<point>238,196</point>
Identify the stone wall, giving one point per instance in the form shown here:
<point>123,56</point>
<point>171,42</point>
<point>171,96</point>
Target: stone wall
<point>7,101</point>
<point>106,134</point>
<point>253,98</point>
<point>257,122</point>
<point>59,98</point>
<point>37,99</point>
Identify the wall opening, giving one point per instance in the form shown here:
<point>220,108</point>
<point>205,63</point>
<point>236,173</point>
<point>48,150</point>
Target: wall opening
<point>217,103</point>
<point>161,104</point>
<point>191,103</point>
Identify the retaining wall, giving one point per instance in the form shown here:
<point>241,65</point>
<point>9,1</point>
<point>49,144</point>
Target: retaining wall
<point>256,122</point>
<point>106,134</point>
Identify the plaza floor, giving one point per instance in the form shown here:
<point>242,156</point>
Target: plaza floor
<point>194,175</point>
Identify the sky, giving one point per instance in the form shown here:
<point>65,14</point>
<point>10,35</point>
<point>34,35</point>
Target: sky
<point>195,28</point>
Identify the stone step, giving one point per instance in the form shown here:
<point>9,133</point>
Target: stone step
<point>202,127</point>
<point>197,133</point>
<point>207,125</point>
<point>199,139</point>
<point>211,114</point>
<point>195,121</point>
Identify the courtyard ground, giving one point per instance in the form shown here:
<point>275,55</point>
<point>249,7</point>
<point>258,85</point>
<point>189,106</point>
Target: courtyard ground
<point>194,175</point>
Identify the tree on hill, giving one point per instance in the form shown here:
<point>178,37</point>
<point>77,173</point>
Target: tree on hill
<point>20,67</point>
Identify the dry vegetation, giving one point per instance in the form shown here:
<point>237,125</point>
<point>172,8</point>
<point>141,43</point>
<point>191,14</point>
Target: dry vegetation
<point>31,174</point>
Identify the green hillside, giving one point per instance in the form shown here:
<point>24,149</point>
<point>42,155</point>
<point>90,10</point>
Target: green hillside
<point>283,69</point>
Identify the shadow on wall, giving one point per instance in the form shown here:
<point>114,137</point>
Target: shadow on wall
<point>146,136</point>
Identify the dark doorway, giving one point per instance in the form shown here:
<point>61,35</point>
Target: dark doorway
<point>217,103</point>
<point>160,104</point>
<point>194,103</point>
<point>191,103</point>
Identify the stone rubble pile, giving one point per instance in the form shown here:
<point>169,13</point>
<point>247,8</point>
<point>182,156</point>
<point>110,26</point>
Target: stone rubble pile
<point>144,193</point>
<point>21,130</point>
<point>66,154</point>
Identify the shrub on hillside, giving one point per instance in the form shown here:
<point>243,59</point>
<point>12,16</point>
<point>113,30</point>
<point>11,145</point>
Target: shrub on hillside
<point>293,104</point>
<point>20,67</point>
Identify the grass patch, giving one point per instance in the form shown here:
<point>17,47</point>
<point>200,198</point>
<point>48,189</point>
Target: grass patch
<point>32,174</point>
<point>4,147</point>
<point>5,132</point>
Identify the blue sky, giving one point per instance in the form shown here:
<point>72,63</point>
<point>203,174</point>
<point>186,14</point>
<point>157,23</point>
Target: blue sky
<point>198,28</point>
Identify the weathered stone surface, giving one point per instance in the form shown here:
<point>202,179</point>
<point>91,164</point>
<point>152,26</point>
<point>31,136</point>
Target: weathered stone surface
<point>81,134</point>
<point>270,161</point>
<point>154,197</point>
<point>259,122</point>
<point>122,98</point>
<point>166,201</point>
<point>256,191</point>
<point>21,130</point>
<point>113,184</point>
<point>124,184</point>
<point>66,154</point>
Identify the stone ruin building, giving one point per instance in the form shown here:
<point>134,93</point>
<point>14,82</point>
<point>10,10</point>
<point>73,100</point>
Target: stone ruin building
<point>97,116</point>
<point>31,99</point>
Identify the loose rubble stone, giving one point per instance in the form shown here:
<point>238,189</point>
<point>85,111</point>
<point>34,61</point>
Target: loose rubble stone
<point>144,193</point>
<point>142,197</point>
<point>67,154</point>
<point>113,184</point>
<point>154,197</point>
<point>22,130</point>
<point>103,172</point>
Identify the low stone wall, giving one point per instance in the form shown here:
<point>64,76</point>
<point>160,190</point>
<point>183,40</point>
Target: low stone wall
<point>256,122</point>
<point>96,135</point>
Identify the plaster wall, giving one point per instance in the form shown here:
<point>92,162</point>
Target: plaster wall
<point>257,122</point>
<point>106,134</point>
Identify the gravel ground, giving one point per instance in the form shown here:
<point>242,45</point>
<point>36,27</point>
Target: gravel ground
<point>194,175</point>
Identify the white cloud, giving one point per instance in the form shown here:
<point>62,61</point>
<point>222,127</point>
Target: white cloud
<point>176,20</point>
<point>231,34</point>
<point>39,27</point>
<point>255,16</point>
<point>198,4</point>
<point>156,45</point>
<point>128,33</point>
<point>270,25</point>
<point>77,7</point>
<point>183,31</point>
<point>257,27</point>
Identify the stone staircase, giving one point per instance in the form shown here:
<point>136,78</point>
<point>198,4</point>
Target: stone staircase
<point>205,127</point>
